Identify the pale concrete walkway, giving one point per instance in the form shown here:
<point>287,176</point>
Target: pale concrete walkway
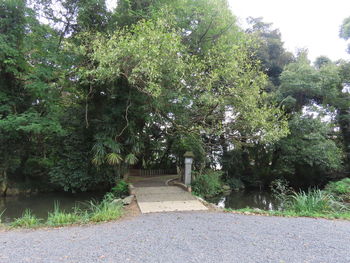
<point>153,195</point>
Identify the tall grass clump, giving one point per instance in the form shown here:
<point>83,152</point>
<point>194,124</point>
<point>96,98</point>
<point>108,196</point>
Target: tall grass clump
<point>27,220</point>
<point>59,217</point>
<point>313,201</point>
<point>1,213</point>
<point>105,210</point>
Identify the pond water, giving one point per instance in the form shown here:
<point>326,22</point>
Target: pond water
<point>41,204</point>
<point>242,199</point>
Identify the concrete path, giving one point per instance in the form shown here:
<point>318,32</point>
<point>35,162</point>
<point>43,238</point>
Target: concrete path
<point>153,195</point>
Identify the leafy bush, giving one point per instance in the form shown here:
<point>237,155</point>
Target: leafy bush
<point>207,184</point>
<point>281,191</point>
<point>27,220</point>
<point>121,189</point>
<point>340,189</point>
<point>59,218</point>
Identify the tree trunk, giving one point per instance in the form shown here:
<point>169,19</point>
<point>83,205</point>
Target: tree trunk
<point>344,123</point>
<point>4,183</point>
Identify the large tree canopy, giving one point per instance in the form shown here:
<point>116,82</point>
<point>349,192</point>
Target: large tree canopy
<point>86,93</point>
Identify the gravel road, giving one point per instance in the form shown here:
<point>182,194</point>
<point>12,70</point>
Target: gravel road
<point>184,237</point>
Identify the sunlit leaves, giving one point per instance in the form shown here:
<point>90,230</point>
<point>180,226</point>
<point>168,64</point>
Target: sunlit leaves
<point>113,158</point>
<point>131,159</point>
<point>194,89</point>
<point>147,55</point>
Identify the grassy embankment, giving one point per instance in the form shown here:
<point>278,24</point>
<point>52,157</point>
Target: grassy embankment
<point>331,203</point>
<point>106,210</point>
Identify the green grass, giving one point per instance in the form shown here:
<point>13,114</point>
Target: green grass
<point>1,224</point>
<point>1,213</point>
<point>104,211</point>
<point>290,213</point>
<point>28,220</point>
<point>59,217</point>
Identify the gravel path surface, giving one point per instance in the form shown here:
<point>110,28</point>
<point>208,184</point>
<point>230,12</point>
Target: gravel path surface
<point>184,237</point>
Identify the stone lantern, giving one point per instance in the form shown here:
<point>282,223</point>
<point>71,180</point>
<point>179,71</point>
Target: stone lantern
<point>188,167</point>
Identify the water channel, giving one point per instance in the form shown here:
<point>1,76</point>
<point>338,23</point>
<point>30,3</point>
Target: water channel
<point>249,198</point>
<point>41,204</point>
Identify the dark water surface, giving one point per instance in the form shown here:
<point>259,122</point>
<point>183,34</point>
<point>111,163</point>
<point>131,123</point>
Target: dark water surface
<point>41,204</point>
<point>242,199</point>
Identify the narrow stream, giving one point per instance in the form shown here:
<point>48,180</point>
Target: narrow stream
<point>244,199</point>
<point>41,204</point>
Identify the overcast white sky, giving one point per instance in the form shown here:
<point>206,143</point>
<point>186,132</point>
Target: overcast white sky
<point>311,24</point>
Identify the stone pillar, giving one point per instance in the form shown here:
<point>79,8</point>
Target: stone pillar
<point>188,167</point>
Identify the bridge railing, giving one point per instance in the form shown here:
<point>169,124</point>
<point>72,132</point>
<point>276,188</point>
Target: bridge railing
<point>151,172</point>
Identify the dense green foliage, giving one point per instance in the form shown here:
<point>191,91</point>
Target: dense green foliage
<point>121,189</point>
<point>87,92</point>
<point>314,99</point>
<point>339,189</point>
<point>207,184</point>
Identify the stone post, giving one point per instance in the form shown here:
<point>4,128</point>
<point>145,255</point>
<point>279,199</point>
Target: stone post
<point>188,167</point>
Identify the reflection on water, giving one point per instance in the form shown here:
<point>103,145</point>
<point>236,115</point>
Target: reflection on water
<point>243,199</point>
<point>41,204</point>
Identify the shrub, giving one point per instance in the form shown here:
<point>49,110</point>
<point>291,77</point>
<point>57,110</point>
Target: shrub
<point>121,189</point>
<point>281,191</point>
<point>340,189</point>
<point>59,218</point>
<point>27,220</point>
<point>208,183</point>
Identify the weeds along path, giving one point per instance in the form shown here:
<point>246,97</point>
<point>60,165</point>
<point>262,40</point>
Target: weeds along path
<point>184,237</point>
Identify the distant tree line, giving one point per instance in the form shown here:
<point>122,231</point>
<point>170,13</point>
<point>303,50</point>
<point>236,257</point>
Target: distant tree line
<point>86,93</point>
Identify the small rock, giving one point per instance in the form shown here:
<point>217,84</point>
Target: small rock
<point>127,200</point>
<point>226,187</point>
